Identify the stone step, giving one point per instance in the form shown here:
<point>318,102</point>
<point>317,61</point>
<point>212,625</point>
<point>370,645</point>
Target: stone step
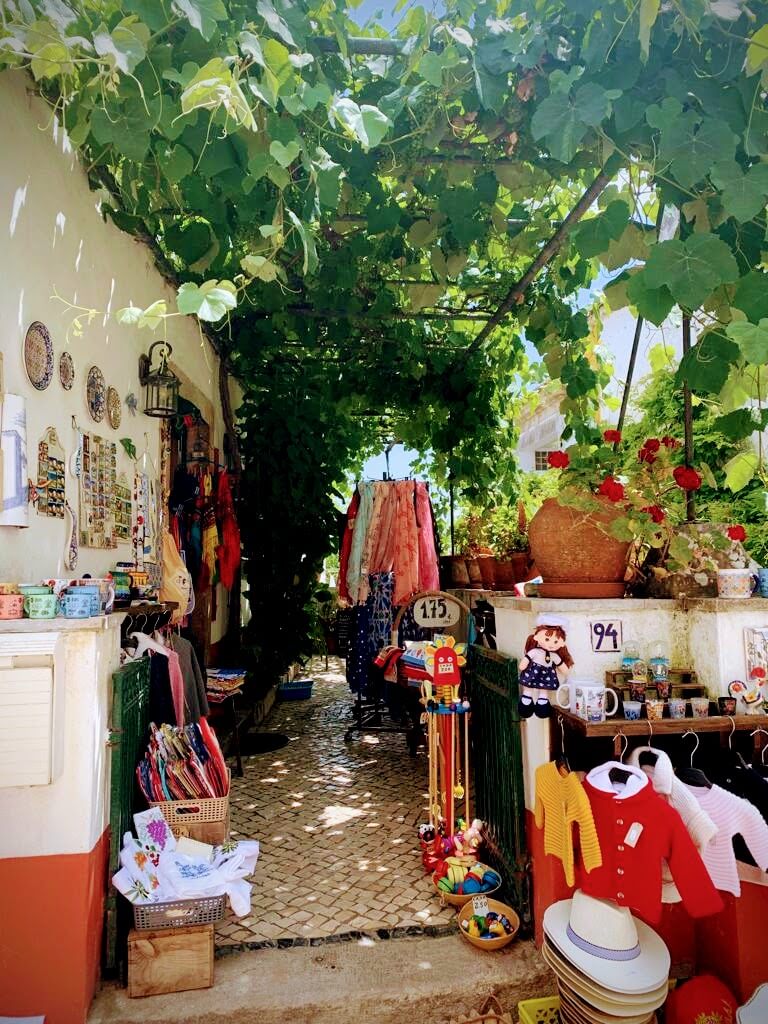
<point>401,981</point>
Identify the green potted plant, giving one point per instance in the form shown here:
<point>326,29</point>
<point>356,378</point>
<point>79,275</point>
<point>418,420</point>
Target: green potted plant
<point>472,542</point>
<point>619,518</point>
<point>508,536</point>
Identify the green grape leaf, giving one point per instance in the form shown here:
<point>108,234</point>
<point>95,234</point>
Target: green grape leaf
<point>736,425</point>
<point>367,124</point>
<point>430,68</point>
<point>329,184</point>
<point>652,304</point>
<point>421,233</point>
<point>260,267</point>
<point>125,46</point>
<point>578,377</point>
<point>251,47</point>
<point>202,14</point>
<point>757,51</point>
<point>663,116</point>
<point>209,301</point>
<point>595,235</point>
<point>422,295</point>
<point>691,269</point>
<point>649,12</point>
<point>708,363</point>
<point>615,292</point>
<point>752,339</point>
<point>129,315</point>
<point>692,145</point>
<point>751,295</point>
<point>284,155</point>
<point>740,470</point>
<point>176,163</point>
<point>631,245</point>
<point>275,22</point>
<point>126,128</point>
<point>153,315</point>
<point>214,86</point>
<point>564,121</point>
<point>744,195</point>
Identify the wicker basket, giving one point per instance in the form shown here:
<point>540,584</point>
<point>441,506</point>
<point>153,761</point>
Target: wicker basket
<point>539,1011</point>
<point>488,945</point>
<point>454,899</point>
<point>178,913</point>
<point>195,817</point>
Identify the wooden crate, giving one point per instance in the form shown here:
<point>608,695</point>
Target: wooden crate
<point>170,960</point>
<point>213,832</point>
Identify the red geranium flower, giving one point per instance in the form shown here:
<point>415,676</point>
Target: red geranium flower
<point>758,672</point>
<point>737,533</point>
<point>611,436</point>
<point>646,455</point>
<point>558,460</point>
<point>652,444</point>
<point>687,478</point>
<point>670,442</point>
<point>655,512</point>
<point>611,489</point>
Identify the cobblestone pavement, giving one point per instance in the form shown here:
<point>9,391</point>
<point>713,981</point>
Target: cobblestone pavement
<point>337,823</point>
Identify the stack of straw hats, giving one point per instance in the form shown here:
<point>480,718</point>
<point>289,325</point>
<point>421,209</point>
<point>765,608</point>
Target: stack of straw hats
<point>610,967</point>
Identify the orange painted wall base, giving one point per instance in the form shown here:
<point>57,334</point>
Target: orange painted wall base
<point>50,938</point>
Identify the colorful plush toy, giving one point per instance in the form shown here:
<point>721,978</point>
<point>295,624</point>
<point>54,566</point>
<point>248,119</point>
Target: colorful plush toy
<point>544,666</point>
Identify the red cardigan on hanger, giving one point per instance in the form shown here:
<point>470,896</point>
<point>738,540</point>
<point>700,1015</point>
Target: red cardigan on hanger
<point>631,870</point>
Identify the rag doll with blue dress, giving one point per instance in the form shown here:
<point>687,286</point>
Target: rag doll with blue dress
<point>545,665</point>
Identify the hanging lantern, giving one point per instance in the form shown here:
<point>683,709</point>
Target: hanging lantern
<point>161,385</point>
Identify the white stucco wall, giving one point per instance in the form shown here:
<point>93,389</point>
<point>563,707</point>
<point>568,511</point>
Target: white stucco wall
<point>54,238</point>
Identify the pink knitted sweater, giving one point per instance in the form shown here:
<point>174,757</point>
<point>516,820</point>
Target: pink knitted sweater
<point>733,816</point>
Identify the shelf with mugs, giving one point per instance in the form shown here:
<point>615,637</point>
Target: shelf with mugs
<point>617,725</point>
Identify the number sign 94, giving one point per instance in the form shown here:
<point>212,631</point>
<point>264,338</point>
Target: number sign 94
<point>606,636</point>
<point>436,611</point>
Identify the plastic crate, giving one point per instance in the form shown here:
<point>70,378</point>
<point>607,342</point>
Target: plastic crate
<point>178,913</point>
<point>295,689</point>
<point>539,1011</point>
<point>180,814</point>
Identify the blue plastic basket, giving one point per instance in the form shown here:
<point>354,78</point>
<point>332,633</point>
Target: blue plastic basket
<point>296,689</point>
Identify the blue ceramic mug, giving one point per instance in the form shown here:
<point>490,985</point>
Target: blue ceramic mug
<point>76,605</point>
<point>92,592</point>
<point>762,582</point>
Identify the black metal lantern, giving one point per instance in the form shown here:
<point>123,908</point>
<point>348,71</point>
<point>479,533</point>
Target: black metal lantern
<point>161,386</point>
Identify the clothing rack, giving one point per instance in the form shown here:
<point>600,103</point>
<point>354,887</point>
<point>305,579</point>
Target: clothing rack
<point>146,618</point>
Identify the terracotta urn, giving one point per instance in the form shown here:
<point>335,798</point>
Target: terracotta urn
<point>572,551</point>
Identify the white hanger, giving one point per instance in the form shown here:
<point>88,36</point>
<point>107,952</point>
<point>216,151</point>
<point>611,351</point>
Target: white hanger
<point>146,643</point>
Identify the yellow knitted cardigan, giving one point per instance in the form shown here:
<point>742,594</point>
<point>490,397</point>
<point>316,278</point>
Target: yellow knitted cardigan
<point>560,803</point>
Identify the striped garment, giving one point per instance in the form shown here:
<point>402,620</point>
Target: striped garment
<point>733,816</point>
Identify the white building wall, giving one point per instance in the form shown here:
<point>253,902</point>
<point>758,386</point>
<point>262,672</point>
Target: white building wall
<point>55,239</point>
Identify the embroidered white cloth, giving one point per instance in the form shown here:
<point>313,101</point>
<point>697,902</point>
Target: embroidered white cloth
<point>149,875</point>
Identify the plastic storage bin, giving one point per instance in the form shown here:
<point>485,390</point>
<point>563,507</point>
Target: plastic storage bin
<point>539,1011</point>
<point>296,689</point>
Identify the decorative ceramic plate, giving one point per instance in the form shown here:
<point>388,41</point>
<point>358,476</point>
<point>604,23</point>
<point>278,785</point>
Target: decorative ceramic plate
<point>114,408</point>
<point>38,355</point>
<point>96,393</point>
<point>66,370</point>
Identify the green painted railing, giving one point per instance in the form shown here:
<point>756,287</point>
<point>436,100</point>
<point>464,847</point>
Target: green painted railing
<point>128,732</point>
<point>497,763</point>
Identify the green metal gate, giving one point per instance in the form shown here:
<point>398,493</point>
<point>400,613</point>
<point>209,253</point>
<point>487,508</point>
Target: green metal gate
<point>129,726</point>
<point>497,762</point>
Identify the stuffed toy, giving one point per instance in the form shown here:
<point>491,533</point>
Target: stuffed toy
<point>545,665</point>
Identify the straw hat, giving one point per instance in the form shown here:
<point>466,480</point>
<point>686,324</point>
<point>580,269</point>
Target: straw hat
<point>608,1001</point>
<point>607,944</point>
<point>580,1007</point>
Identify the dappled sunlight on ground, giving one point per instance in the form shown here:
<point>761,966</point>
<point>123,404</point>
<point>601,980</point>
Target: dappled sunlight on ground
<point>338,827</point>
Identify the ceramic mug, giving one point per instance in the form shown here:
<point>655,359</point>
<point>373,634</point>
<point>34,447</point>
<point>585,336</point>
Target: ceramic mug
<point>637,689</point>
<point>41,606</point>
<point>726,705</point>
<point>677,707</point>
<point>92,592</point>
<point>762,582</point>
<point>76,605</point>
<point>654,709</point>
<point>28,589</point>
<point>104,589</point>
<point>632,709</point>
<point>700,707</point>
<point>736,583</point>
<point>9,588</point>
<point>11,606</point>
<point>590,700</point>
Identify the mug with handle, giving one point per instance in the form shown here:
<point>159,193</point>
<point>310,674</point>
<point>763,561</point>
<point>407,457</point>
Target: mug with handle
<point>592,699</point>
